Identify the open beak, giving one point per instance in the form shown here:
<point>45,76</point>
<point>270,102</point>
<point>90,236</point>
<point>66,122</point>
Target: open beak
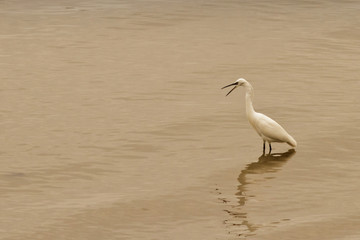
<point>233,84</point>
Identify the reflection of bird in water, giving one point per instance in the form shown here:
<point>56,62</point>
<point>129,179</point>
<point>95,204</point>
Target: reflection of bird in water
<point>269,130</point>
<point>269,163</point>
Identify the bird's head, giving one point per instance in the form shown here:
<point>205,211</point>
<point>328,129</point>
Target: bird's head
<point>237,83</point>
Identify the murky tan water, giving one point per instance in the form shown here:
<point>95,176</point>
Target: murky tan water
<point>113,124</point>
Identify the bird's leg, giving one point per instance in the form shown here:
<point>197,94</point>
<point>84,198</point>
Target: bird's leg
<point>264,147</point>
<point>270,148</point>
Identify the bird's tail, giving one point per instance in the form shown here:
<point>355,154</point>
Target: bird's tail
<point>291,141</point>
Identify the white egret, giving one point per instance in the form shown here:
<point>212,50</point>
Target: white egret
<point>269,130</point>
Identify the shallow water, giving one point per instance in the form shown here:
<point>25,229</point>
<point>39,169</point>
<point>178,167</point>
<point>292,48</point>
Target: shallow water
<point>113,124</point>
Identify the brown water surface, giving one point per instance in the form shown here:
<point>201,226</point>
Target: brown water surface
<point>113,124</point>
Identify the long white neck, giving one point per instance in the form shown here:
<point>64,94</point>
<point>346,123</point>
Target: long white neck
<point>248,98</point>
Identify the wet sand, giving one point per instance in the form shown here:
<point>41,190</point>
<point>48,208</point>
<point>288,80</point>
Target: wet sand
<point>114,126</point>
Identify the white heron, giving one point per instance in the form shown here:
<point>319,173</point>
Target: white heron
<point>269,130</point>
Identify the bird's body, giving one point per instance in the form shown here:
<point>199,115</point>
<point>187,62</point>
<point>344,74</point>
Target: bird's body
<point>269,130</point>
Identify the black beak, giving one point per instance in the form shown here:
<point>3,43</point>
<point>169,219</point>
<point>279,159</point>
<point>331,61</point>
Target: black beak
<point>233,84</point>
